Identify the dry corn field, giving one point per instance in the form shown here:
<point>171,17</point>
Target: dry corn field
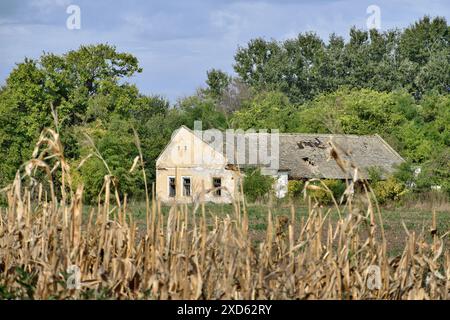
<point>44,237</point>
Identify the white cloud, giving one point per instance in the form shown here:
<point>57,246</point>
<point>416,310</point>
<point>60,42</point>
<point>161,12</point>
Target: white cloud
<point>45,4</point>
<point>48,6</point>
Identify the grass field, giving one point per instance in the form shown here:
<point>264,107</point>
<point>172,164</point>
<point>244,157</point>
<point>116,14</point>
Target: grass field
<point>395,220</point>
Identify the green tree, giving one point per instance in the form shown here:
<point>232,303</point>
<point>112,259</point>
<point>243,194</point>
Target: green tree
<point>196,108</point>
<point>115,143</point>
<point>267,110</point>
<point>415,59</point>
<point>217,82</point>
<point>80,86</point>
<point>354,111</point>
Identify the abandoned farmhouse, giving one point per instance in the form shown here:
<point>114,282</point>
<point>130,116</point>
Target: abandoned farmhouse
<point>194,166</point>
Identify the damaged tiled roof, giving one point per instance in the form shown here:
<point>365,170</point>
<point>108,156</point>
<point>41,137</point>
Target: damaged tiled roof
<point>308,155</point>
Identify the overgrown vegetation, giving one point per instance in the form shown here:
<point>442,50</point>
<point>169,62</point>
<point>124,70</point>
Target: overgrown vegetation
<point>394,83</point>
<point>390,189</point>
<point>257,186</point>
<point>295,188</point>
<point>324,191</point>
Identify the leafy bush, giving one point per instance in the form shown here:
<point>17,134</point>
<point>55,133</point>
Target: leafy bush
<point>375,174</point>
<point>432,173</point>
<point>405,173</point>
<point>257,185</point>
<point>389,190</point>
<point>115,143</point>
<point>323,196</point>
<point>337,187</point>
<point>295,188</point>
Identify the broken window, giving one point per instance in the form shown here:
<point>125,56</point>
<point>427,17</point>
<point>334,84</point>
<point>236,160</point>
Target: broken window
<point>186,187</point>
<point>172,187</point>
<point>217,184</point>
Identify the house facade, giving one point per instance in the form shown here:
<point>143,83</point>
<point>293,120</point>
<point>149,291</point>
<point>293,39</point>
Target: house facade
<point>194,167</point>
<point>183,176</point>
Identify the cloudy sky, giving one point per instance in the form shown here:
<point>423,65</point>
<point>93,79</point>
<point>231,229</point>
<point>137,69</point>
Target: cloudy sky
<point>177,41</point>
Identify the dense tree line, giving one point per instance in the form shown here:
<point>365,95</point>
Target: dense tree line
<point>394,83</point>
<point>416,59</point>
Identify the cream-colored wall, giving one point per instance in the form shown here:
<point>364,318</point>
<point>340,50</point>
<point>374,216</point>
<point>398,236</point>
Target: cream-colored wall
<point>188,156</point>
<point>200,180</point>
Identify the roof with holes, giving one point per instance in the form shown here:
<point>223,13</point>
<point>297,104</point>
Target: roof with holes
<point>312,155</point>
<point>305,156</point>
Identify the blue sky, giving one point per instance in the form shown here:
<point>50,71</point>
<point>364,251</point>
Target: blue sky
<point>176,42</point>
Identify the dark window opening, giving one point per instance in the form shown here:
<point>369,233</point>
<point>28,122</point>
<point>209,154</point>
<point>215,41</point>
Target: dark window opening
<point>217,183</point>
<point>172,187</point>
<point>187,187</point>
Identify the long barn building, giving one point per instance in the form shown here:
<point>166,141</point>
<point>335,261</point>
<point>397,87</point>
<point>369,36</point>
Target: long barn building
<point>207,166</point>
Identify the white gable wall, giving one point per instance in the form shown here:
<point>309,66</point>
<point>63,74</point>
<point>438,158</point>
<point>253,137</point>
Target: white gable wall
<point>188,156</point>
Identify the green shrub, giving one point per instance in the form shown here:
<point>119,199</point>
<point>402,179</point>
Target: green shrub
<point>389,190</point>
<point>257,185</point>
<point>295,188</point>
<point>115,142</point>
<point>337,187</point>
<point>375,174</point>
